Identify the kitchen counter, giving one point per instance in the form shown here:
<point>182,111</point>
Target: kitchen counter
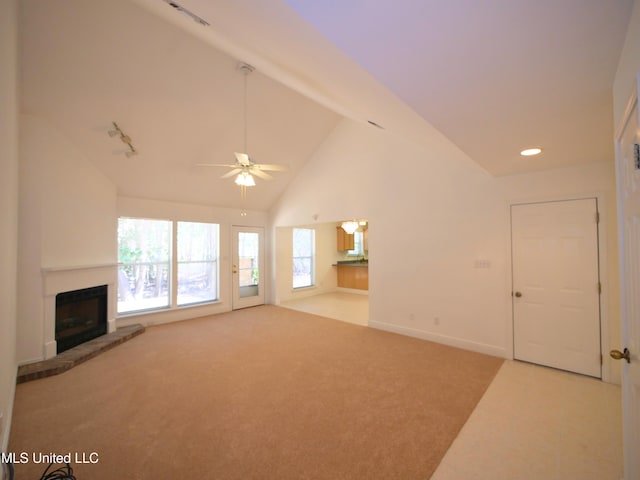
<point>350,263</point>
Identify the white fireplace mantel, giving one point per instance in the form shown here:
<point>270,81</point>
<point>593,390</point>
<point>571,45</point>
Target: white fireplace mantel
<point>65,279</point>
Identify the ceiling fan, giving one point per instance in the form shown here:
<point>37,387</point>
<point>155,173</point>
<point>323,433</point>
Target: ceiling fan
<point>244,167</point>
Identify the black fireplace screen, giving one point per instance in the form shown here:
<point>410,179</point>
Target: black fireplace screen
<point>81,315</point>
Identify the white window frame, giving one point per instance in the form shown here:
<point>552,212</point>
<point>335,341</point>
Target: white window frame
<point>172,276</point>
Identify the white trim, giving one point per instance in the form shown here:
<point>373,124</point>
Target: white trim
<point>629,446</point>
<point>626,117</point>
<point>50,349</point>
<point>443,339</point>
<point>78,267</point>
<point>304,289</point>
<point>29,361</point>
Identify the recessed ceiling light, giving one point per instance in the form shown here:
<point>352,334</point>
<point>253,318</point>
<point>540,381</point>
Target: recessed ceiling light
<point>529,152</point>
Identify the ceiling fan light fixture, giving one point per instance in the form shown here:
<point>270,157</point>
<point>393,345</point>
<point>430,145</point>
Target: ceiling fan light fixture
<point>350,227</point>
<point>245,179</point>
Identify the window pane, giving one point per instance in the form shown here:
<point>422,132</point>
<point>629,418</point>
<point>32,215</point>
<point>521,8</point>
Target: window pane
<point>302,242</point>
<point>197,262</point>
<point>143,256</point>
<point>248,247</point>
<point>303,257</point>
<point>197,241</point>
<point>358,243</point>
<point>197,282</point>
<point>302,272</point>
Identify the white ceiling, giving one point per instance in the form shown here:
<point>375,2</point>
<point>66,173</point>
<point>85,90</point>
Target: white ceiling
<point>493,76</point>
<point>88,63</point>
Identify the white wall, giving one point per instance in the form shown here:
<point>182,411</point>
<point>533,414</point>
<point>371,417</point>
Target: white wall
<point>326,279</point>
<point>67,219</point>
<point>225,217</point>
<point>628,67</point>
<point>432,214</point>
<point>8,211</point>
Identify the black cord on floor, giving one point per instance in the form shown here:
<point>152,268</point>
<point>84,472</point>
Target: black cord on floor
<point>61,473</point>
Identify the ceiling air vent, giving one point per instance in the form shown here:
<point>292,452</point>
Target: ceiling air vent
<point>191,15</point>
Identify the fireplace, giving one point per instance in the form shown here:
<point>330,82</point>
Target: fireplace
<point>81,315</point>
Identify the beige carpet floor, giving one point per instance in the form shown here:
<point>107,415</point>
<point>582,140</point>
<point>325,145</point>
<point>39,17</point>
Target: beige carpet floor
<point>260,393</point>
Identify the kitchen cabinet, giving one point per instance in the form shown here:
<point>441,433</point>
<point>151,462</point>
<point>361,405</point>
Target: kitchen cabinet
<point>345,240</point>
<point>353,276</point>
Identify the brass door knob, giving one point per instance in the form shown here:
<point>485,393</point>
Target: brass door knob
<point>618,355</point>
<point>235,269</point>
<point>518,294</point>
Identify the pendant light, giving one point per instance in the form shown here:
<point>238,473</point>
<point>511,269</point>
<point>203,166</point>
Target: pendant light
<point>350,227</point>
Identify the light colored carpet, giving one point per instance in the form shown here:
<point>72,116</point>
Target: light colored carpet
<point>260,393</point>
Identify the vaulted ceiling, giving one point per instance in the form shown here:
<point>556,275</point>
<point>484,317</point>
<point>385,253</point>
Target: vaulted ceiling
<point>492,76</point>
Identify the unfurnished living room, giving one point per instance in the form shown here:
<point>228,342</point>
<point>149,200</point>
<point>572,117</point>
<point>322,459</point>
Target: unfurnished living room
<point>279,239</point>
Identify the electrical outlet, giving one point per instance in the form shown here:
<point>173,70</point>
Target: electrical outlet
<point>482,263</point>
<point>436,320</point>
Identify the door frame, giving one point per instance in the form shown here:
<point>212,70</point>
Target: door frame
<point>609,374</point>
<point>633,103</point>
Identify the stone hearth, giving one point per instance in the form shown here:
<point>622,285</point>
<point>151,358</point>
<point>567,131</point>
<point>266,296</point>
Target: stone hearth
<point>77,355</point>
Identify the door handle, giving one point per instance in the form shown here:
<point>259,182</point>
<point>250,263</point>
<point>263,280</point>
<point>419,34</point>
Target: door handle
<point>618,355</point>
<point>518,294</point>
<point>235,269</point>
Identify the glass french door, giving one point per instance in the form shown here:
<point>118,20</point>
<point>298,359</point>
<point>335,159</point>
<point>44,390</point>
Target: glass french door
<point>248,266</point>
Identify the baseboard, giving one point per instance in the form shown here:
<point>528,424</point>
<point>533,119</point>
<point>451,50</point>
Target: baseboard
<point>30,360</point>
<point>443,339</point>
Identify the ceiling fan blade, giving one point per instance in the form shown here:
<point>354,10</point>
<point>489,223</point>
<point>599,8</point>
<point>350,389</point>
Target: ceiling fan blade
<point>216,165</point>
<point>243,159</point>
<point>260,174</point>
<point>271,167</point>
<point>233,172</point>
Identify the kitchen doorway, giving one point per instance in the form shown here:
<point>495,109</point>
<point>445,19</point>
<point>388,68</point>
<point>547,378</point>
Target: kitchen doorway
<point>324,297</point>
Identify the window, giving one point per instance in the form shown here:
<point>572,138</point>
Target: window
<point>358,243</point>
<point>248,257</point>
<point>144,251</point>
<point>197,262</point>
<point>303,257</point>
<point>147,263</point>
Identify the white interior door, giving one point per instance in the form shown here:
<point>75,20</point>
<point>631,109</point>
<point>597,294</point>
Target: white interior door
<point>248,267</point>
<point>628,169</point>
<point>556,299</point>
